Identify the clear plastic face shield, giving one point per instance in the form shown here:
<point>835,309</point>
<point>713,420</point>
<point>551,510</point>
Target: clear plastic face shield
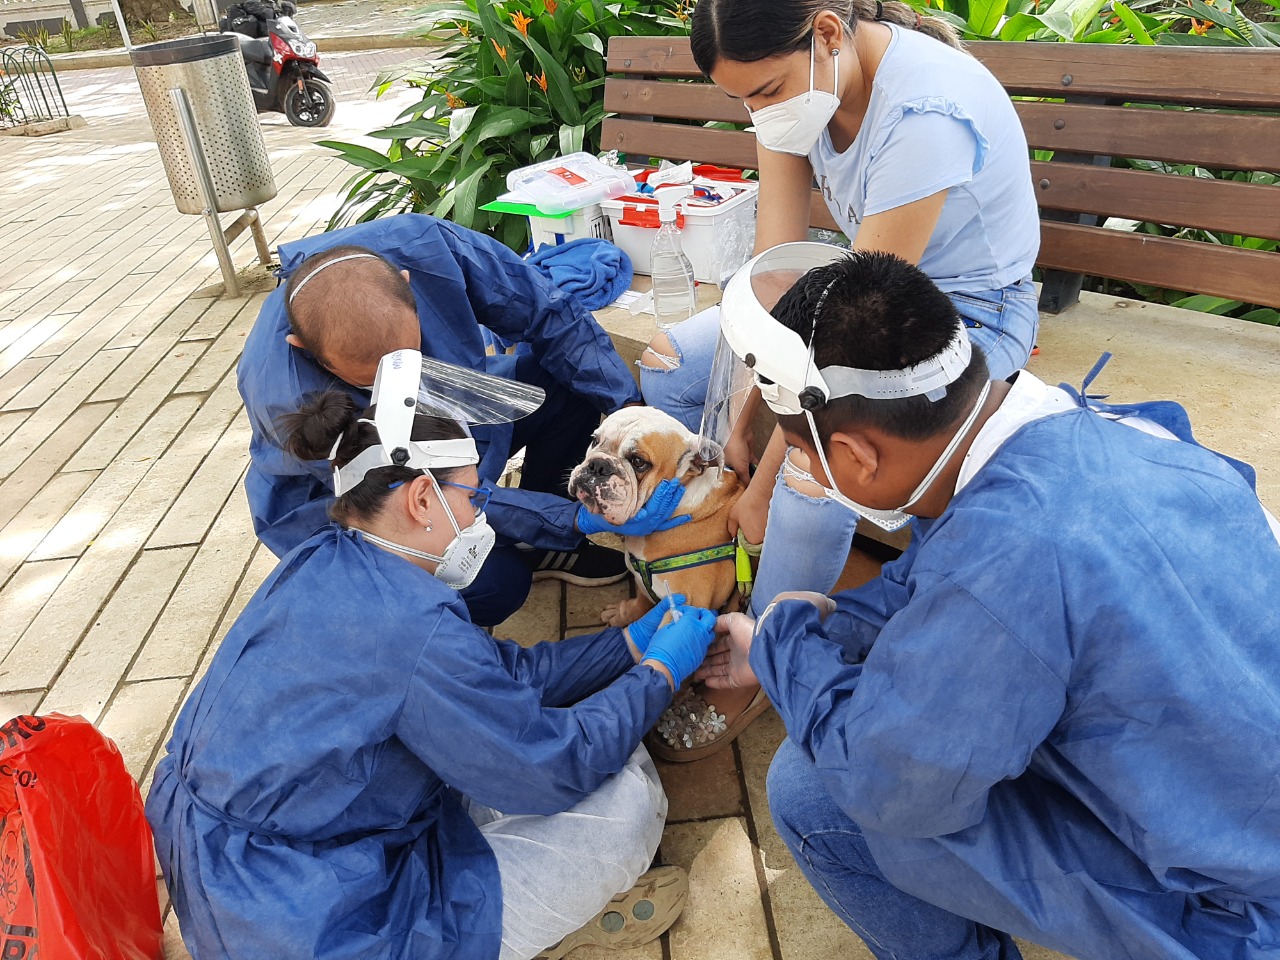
<point>409,384</point>
<point>729,385</point>
<point>783,366</point>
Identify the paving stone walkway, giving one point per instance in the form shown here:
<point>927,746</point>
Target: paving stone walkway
<point>125,545</point>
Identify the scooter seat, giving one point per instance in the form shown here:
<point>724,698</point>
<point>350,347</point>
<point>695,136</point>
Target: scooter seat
<point>255,51</point>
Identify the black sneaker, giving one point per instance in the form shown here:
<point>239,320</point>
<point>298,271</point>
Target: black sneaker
<point>591,565</point>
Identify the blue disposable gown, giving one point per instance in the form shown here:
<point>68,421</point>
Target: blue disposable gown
<point>461,280</point>
<point>308,806</point>
<point>1059,713</point>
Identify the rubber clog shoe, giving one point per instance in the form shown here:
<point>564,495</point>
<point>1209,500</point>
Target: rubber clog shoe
<point>634,917</point>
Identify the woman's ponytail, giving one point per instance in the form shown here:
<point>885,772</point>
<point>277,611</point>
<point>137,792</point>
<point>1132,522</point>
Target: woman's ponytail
<point>906,16</point>
<point>311,433</point>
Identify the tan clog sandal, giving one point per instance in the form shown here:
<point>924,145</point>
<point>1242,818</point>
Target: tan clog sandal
<point>634,917</point>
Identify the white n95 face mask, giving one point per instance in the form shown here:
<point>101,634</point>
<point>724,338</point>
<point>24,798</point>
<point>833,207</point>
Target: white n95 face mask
<point>460,563</point>
<point>464,556</point>
<point>795,125</point>
<point>898,518</point>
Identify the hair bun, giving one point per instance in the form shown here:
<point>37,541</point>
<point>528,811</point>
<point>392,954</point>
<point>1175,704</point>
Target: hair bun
<point>311,433</point>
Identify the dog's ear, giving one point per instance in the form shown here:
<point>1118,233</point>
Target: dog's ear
<point>701,456</point>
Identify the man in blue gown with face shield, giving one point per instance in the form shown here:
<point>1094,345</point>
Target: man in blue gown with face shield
<point>415,282</point>
<point>1057,715</point>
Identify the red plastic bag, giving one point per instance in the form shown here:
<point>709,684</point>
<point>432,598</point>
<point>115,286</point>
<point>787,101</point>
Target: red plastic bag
<point>77,878</point>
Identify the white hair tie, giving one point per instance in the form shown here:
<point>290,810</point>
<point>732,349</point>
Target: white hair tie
<point>325,266</point>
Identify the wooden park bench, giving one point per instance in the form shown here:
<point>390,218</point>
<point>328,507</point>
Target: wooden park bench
<point>1214,107</point>
<point>1218,108</point>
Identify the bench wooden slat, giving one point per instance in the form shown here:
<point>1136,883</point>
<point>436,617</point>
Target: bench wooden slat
<point>663,56</point>
<point>1251,210</point>
<point>676,141</point>
<point>1223,140</point>
<point>1247,275</point>
<point>1213,77</point>
<point>683,101</point>
<point>1211,139</point>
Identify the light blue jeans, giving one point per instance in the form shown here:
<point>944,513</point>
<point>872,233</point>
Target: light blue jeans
<point>831,852</point>
<point>807,539</point>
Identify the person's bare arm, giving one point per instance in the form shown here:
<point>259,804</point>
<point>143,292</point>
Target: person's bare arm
<point>904,230</point>
<point>782,206</point>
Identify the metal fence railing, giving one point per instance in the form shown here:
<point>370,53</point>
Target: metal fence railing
<point>29,88</point>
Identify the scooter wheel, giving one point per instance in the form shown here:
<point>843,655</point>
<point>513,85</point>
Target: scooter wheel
<point>310,107</point>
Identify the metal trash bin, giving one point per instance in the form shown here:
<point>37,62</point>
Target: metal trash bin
<point>211,71</point>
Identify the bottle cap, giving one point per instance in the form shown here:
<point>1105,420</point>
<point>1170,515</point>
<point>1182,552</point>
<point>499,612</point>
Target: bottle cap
<point>668,198</point>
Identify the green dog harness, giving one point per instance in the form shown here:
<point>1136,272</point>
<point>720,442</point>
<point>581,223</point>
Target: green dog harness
<point>645,569</point>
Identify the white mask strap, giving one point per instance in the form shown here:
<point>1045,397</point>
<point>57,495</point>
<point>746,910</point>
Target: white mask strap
<point>399,548</point>
<point>325,266</point>
<point>923,487</point>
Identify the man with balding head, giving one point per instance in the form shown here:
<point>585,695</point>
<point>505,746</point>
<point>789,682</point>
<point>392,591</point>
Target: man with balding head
<point>416,282</point>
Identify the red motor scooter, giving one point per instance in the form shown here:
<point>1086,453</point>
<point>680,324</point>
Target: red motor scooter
<point>284,69</point>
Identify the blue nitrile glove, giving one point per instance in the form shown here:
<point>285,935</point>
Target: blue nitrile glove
<point>682,646</point>
<point>654,516</point>
<point>641,632</point>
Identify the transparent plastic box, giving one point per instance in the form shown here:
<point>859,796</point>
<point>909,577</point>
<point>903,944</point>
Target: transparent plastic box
<point>567,183</point>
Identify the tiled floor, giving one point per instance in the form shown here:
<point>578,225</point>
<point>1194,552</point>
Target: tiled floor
<point>125,545</point>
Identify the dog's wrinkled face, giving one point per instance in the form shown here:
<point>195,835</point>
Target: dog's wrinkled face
<point>632,452</point>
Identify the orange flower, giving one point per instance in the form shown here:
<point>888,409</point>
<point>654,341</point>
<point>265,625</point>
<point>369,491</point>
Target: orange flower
<point>521,22</point>
<point>464,28</point>
<point>550,5</point>
<point>502,51</point>
<point>1200,27</point>
<point>541,81</point>
<point>454,102</point>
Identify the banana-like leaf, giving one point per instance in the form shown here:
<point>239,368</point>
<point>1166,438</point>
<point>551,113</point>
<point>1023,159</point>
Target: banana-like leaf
<point>559,86</point>
<point>1130,20</point>
<point>571,138</point>
<point>985,16</point>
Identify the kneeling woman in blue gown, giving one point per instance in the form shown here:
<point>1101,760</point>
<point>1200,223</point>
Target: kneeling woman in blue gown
<point>333,784</point>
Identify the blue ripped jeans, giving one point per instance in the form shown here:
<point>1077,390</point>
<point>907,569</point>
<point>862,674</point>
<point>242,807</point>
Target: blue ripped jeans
<point>807,539</point>
<point>831,852</point>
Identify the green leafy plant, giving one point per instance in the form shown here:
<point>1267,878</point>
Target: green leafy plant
<point>150,30</point>
<point>9,108</point>
<point>1211,25</point>
<point>37,37</point>
<point>517,82</point>
<point>68,35</point>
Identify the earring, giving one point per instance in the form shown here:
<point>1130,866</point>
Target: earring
<point>428,526</point>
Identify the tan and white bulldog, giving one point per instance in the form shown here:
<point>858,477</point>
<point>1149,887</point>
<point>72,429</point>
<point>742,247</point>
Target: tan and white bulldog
<point>632,452</point>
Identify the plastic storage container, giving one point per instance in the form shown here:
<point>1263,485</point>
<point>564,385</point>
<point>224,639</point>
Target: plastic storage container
<point>553,231</point>
<point>567,183</point>
<point>717,240</point>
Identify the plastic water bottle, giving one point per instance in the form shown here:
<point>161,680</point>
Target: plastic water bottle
<point>672,273</point>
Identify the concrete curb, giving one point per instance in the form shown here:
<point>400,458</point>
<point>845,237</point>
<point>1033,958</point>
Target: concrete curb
<point>97,59</point>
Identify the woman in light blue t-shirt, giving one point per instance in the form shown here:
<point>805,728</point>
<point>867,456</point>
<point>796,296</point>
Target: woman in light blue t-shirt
<point>918,151</point>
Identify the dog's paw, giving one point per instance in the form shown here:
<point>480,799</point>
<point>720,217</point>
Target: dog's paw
<point>624,612</point>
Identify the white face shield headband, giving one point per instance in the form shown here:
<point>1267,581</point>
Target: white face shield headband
<point>791,382</point>
<point>408,384</point>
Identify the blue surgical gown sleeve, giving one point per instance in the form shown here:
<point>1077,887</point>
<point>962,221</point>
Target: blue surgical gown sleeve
<point>542,520</point>
<point>948,702</point>
<point>489,735</point>
<point>518,303</point>
<point>572,669</point>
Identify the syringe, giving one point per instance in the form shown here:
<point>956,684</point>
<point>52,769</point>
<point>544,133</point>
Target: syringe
<point>671,602</point>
